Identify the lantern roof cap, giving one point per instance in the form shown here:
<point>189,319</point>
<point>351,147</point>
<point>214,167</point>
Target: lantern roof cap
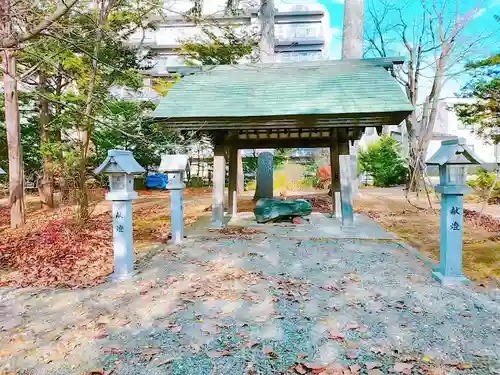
<point>454,152</point>
<point>120,161</point>
<point>173,163</point>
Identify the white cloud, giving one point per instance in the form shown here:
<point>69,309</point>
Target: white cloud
<point>480,12</point>
<point>335,31</point>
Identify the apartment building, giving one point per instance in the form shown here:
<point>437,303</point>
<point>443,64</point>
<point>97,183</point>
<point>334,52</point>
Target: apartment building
<point>302,33</point>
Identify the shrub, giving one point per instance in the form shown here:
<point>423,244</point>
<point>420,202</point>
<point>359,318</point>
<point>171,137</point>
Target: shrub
<point>280,182</point>
<point>483,183</point>
<point>384,163</point>
<point>251,185</point>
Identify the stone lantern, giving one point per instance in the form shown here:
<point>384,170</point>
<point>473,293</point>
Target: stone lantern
<point>174,166</point>
<point>452,157</point>
<point>121,167</point>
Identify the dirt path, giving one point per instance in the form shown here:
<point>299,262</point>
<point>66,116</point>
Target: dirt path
<point>255,303</point>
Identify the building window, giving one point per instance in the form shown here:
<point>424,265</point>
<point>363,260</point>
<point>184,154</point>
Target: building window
<point>299,56</point>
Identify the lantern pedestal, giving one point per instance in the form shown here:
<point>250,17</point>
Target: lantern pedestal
<point>123,242</point>
<point>175,165</point>
<point>450,255</point>
<point>176,187</point>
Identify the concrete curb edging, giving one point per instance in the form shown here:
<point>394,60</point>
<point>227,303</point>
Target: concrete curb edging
<point>417,254</point>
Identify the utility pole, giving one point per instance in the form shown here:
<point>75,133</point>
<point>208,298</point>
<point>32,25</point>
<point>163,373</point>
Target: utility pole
<point>264,188</point>
<point>266,43</point>
<point>352,48</point>
<point>352,38</point>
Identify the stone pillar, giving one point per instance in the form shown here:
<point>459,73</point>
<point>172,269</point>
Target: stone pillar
<point>233,180</point>
<point>346,192</point>
<point>353,152</point>
<point>452,188</point>
<point>335,174</point>
<point>123,243</point>
<point>218,181</point>
<point>345,178</point>
<point>450,256</point>
<point>264,176</point>
<point>241,174</point>
<point>176,187</point>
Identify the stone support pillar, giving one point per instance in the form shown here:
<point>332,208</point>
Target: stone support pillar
<point>176,187</point>
<point>345,178</point>
<point>335,174</point>
<point>233,180</point>
<point>123,242</point>
<point>218,178</point>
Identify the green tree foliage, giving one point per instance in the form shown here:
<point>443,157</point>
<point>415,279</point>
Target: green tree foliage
<point>484,89</point>
<point>126,125</point>
<point>216,48</point>
<point>483,183</point>
<point>281,155</point>
<point>384,163</point>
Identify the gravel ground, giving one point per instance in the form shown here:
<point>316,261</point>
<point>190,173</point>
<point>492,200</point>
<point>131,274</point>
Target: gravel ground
<point>257,304</point>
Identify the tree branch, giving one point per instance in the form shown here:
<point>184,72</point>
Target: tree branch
<point>13,40</point>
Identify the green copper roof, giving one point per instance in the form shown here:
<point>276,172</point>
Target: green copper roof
<point>337,87</point>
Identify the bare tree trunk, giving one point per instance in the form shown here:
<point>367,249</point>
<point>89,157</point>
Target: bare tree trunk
<point>12,122</point>
<point>86,131</point>
<point>63,175</point>
<point>266,43</point>
<point>46,187</point>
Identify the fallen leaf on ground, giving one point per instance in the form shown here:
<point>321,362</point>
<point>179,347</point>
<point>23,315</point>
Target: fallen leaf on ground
<point>164,362</point>
<point>352,354</point>
<point>300,369</point>
<point>335,334</point>
<point>464,366</point>
<point>217,354</point>
<point>210,328</point>
<point>329,288</point>
<point>355,368</point>
<point>436,371</point>
<point>199,293</point>
<point>352,345</point>
<point>251,344</point>
<point>314,366</point>
<point>402,367</point>
<point>378,350</point>
<point>101,335</point>
<point>113,351</point>
<point>302,355</point>
<point>5,354</point>
<point>362,328</point>
<point>375,372</point>
<point>352,326</point>
<point>176,328</point>
<point>372,365</point>
<point>270,352</point>
<point>96,371</point>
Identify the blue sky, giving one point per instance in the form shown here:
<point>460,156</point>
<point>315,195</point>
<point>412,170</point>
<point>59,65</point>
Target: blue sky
<point>482,20</point>
<point>483,15</point>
